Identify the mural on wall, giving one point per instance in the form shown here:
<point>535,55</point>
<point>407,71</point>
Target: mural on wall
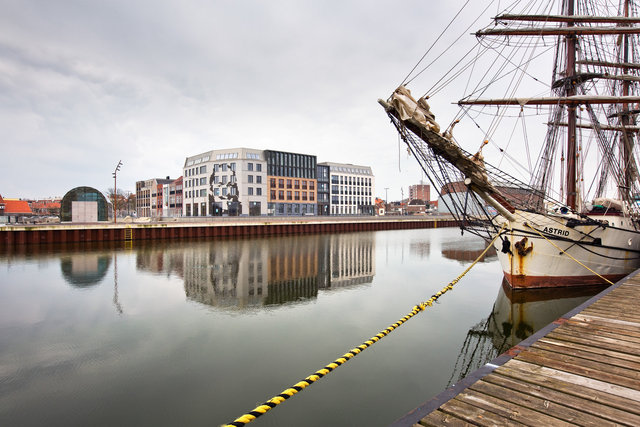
<point>223,196</point>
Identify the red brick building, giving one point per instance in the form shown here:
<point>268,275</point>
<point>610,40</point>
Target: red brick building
<point>420,192</point>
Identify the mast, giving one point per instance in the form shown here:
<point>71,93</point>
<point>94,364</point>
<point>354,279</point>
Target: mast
<point>627,137</point>
<point>570,71</point>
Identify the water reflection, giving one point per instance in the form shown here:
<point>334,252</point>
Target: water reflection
<point>467,252</point>
<point>84,269</point>
<point>269,271</point>
<point>516,315</point>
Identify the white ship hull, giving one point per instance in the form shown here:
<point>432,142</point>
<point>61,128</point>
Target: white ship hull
<point>533,261</point>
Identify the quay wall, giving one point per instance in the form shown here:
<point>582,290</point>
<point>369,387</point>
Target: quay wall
<point>206,228</point>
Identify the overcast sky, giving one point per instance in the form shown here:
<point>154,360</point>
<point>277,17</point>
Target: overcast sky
<point>84,84</point>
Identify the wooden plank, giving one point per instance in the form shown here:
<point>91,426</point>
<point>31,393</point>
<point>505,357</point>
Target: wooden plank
<point>509,410</point>
<point>588,352</point>
<point>585,368</point>
<point>438,418</point>
<point>592,406</point>
<point>601,331</point>
<point>601,342</point>
<point>570,388</point>
<point>621,325</point>
<point>475,415</point>
<point>615,310</point>
<point>546,406</point>
<point>618,298</point>
<point>621,314</point>
<point>521,368</point>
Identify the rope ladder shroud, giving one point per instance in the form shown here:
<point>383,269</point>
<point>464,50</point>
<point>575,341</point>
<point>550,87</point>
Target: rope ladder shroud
<point>301,385</point>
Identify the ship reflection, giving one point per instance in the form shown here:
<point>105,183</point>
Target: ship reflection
<point>265,272</point>
<point>516,315</point>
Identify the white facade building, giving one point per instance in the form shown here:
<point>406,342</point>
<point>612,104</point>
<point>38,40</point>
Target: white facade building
<point>352,189</point>
<point>225,182</point>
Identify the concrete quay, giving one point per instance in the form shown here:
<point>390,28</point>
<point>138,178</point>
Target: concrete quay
<point>207,227</point>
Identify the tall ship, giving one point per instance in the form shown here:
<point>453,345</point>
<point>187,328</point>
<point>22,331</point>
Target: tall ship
<point>544,147</point>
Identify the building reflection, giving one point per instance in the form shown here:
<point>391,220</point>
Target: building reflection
<point>265,272</point>
<point>468,252</point>
<point>83,270</point>
<point>516,315</point>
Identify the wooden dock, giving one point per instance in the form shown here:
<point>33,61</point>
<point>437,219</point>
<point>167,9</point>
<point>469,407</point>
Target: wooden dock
<point>583,369</point>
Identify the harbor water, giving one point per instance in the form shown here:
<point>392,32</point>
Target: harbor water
<point>199,332</point>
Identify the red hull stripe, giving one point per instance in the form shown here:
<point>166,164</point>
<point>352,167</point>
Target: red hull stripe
<point>529,282</point>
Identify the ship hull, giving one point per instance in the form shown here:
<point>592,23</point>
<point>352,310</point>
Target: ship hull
<point>548,251</point>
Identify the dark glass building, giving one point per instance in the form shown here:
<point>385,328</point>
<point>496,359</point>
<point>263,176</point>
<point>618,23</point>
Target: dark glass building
<point>292,183</point>
<point>93,204</point>
<point>323,189</point>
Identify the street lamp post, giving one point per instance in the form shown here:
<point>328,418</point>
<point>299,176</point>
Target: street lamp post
<point>115,190</point>
<point>386,199</point>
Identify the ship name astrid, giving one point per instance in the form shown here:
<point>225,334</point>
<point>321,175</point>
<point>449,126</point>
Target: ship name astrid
<point>556,231</point>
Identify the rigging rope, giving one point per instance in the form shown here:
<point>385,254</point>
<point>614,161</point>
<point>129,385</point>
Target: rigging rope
<point>301,385</point>
<point>432,46</point>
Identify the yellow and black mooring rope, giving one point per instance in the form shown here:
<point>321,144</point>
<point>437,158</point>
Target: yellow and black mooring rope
<point>301,385</point>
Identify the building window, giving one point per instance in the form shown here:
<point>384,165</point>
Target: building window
<point>297,195</point>
<point>250,179</point>
<point>304,195</point>
<point>250,191</point>
<point>216,168</point>
<point>216,191</point>
<point>281,183</point>
<point>232,166</point>
<point>224,167</point>
<point>288,183</point>
<point>203,181</point>
<point>281,195</point>
<point>272,182</point>
<point>259,167</point>
<point>304,184</point>
<point>296,184</point>
<point>224,191</point>
<point>249,166</point>
<point>273,194</point>
<point>289,195</point>
<point>203,169</point>
<point>203,193</point>
<point>224,179</point>
<point>258,191</point>
<point>258,179</point>
<point>311,196</point>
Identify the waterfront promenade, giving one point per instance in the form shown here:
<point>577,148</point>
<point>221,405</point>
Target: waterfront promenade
<point>207,227</point>
<point>583,369</point>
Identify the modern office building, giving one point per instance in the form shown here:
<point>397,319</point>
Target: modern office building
<point>227,182</point>
<point>292,183</point>
<point>352,189</point>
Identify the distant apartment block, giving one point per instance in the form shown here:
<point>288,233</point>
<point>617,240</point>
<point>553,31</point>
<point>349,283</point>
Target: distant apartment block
<point>158,197</point>
<point>352,189</point>
<point>420,192</point>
